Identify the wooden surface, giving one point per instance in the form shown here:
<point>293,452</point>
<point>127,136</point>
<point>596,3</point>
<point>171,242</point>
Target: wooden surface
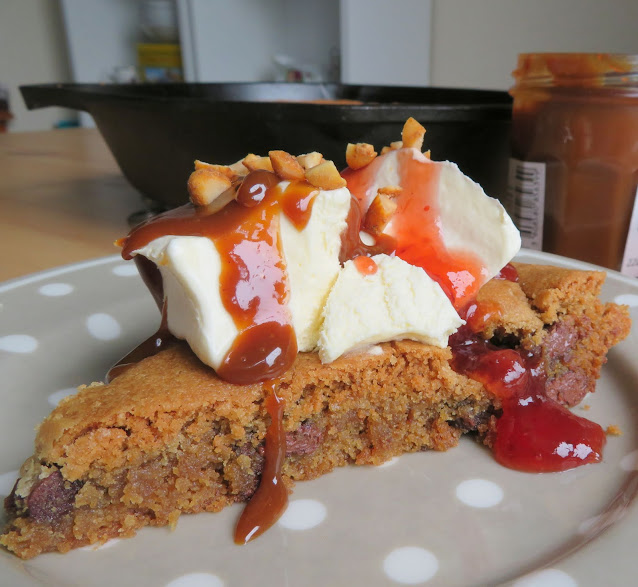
<point>62,199</point>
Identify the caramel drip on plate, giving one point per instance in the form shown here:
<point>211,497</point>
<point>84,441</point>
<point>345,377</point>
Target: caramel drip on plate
<point>254,291</point>
<point>152,279</point>
<point>269,502</point>
<point>151,346</point>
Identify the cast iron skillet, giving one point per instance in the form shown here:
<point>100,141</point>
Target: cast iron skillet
<point>156,131</point>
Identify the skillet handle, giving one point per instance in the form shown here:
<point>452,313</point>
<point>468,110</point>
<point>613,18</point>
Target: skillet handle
<point>66,95</point>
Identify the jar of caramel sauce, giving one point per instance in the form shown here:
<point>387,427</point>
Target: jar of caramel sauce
<point>574,167</point>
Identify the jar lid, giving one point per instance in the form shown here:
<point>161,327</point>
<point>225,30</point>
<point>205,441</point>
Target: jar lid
<point>577,69</point>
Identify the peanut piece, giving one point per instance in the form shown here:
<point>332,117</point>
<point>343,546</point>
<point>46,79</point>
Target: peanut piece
<point>223,169</point>
<point>238,168</point>
<point>413,134</point>
<point>393,147</point>
<point>310,160</point>
<point>390,190</point>
<point>325,176</point>
<point>205,185</point>
<point>254,162</point>
<point>359,155</point>
<point>286,166</point>
<point>379,213</point>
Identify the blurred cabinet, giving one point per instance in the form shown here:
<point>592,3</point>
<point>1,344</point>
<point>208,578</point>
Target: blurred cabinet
<point>373,41</point>
<point>101,36</point>
<point>220,43</point>
<point>353,41</point>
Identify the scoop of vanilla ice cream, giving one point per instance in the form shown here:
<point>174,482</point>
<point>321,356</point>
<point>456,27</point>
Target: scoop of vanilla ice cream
<point>335,309</point>
<point>312,261</point>
<point>398,301</point>
<point>191,268</point>
<point>471,220</point>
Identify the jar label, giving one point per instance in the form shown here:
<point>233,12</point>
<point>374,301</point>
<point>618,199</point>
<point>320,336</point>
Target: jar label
<point>526,200</point>
<point>630,258</point>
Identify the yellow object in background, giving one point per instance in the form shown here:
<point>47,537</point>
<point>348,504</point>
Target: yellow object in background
<point>160,62</point>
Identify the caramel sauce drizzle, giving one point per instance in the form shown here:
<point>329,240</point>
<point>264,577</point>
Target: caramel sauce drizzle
<point>253,282</point>
<point>351,244</point>
<point>269,502</point>
<point>155,343</point>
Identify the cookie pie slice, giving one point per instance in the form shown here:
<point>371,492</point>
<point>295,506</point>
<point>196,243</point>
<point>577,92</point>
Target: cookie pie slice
<point>312,320</point>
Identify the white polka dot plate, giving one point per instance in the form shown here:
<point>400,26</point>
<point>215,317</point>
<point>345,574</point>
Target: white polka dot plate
<point>453,519</point>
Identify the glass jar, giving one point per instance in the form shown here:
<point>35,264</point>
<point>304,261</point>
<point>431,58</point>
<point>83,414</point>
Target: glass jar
<point>574,166</point>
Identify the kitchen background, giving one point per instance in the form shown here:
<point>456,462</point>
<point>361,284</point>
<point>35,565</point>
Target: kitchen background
<point>453,43</point>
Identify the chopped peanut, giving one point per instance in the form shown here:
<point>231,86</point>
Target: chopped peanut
<point>359,155</point>
<point>205,185</point>
<point>223,169</point>
<point>286,166</point>
<point>413,134</point>
<point>228,196</point>
<point>310,160</point>
<point>254,162</point>
<point>613,430</point>
<point>393,147</point>
<point>232,171</point>
<point>238,168</point>
<point>325,176</point>
<point>390,190</point>
<point>379,213</point>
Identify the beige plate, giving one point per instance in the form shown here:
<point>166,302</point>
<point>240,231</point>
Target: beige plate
<point>412,521</point>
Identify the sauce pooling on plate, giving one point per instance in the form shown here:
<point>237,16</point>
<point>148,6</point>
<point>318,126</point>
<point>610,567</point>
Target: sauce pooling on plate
<point>534,433</point>
<point>269,502</point>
